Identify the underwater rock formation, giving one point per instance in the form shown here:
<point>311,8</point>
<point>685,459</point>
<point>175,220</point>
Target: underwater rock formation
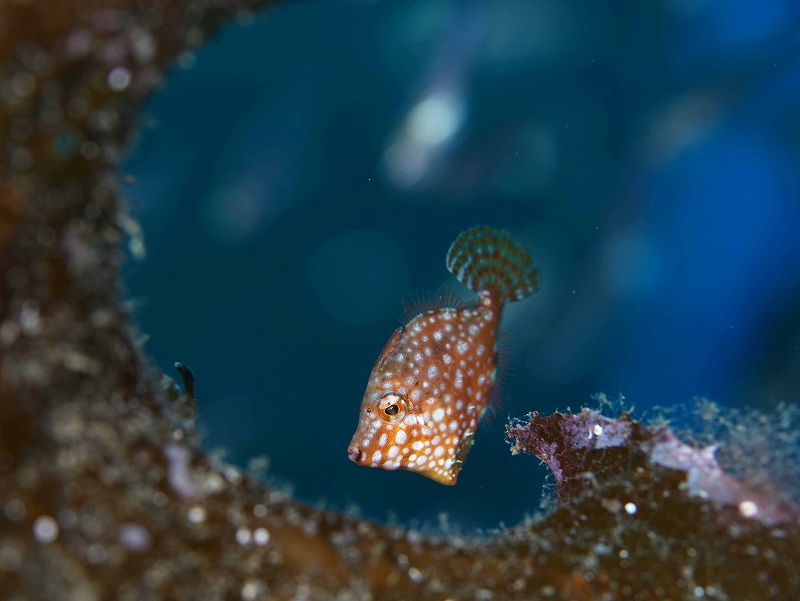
<point>104,489</point>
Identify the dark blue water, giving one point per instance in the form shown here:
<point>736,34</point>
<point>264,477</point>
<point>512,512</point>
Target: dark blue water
<point>307,170</point>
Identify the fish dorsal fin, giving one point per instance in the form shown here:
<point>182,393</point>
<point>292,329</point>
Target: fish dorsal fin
<point>389,347</point>
<point>421,301</point>
<point>485,259</point>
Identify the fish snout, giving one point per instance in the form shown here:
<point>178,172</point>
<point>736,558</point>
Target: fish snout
<point>354,454</point>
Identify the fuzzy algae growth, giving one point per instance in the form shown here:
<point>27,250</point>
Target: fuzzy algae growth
<point>104,489</point>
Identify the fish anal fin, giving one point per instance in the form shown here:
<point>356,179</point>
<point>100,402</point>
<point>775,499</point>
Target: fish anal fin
<point>506,361</point>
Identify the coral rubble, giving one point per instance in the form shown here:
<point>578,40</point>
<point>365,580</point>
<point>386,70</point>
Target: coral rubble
<point>104,490</point>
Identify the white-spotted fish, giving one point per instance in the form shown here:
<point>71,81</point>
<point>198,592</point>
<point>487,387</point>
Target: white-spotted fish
<point>433,381</point>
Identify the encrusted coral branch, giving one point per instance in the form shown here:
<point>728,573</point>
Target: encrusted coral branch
<point>104,491</point>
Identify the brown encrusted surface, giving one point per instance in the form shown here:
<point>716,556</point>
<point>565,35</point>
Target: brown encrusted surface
<point>104,492</point>
<point>656,518</point>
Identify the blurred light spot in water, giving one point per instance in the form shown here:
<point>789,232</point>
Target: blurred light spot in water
<point>683,123</point>
<point>359,277</point>
<point>429,126</point>
<point>421,144</point>
<point>435,119</point>
<point>258,171</point>
<point>233,214</point>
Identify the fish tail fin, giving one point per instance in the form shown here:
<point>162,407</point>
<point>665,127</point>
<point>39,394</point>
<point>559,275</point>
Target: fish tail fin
<point>485,259</point>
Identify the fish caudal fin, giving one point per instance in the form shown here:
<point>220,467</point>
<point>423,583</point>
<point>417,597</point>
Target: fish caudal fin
<point>485,259</point>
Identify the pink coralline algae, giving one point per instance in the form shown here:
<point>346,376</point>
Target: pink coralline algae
<point>587,449</point>
<point>105,492</point>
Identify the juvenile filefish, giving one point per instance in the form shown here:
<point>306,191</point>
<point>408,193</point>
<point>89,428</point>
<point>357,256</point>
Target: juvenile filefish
<point>433,381</point>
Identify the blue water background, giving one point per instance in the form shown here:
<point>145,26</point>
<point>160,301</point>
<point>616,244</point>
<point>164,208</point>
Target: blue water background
<point>305,171</point>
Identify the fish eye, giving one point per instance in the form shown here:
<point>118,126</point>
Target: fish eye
<point>392,407</point>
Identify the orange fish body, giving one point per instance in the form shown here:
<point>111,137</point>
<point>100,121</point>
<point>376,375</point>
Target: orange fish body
<point>434,379</point>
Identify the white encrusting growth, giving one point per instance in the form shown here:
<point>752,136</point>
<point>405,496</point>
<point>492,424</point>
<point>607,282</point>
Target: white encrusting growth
<point>45,529</point>
<point>243,536</point>
<point>196,514</point>
<point>748,509</point>
<point>178,470</point>
<point>261,536</point>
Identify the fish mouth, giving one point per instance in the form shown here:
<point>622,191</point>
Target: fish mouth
<point>354,454</point>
